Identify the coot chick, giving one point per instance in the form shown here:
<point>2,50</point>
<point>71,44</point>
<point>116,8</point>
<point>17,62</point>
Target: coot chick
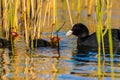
<point>5,43</point>
<point>44,43</point>
<point>90,41</point>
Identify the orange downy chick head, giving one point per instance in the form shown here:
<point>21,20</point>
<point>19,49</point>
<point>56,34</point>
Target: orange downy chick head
<point>14,35</point>
<point>54,41</point>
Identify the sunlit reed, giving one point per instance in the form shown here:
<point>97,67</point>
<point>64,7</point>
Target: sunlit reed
<point>86,3</point>
<point>54,16</point>
<point>90,6</point>
<point>69,11</point>
<point>45,15</point>
<point>5,19</point>
<point>15,23</point>
<point>39,21</point>
<point>108,22</point>
<point>78,10</point>
<point>99,33</point>
<point>25,23</point>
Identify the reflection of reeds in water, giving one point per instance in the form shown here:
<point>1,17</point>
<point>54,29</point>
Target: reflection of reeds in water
<point>5,58</point>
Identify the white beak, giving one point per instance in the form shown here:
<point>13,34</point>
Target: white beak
<point>69,33</point>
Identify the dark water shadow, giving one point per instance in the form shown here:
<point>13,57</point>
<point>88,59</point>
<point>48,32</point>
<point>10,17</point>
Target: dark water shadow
<point>91,54</point>
<point>86,63</point>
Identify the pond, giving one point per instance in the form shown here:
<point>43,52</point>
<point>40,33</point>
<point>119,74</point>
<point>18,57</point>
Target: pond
<point>44,63</point>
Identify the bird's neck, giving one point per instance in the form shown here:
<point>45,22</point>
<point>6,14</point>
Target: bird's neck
<point>81,39</point>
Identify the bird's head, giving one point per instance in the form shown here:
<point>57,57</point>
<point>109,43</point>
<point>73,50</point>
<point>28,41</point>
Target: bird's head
<point>55,41</point>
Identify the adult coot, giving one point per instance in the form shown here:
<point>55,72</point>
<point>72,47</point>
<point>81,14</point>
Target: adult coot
<point>90,41</point>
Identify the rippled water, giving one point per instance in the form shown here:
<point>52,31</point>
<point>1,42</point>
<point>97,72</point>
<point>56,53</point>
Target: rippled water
<point>44,63</point>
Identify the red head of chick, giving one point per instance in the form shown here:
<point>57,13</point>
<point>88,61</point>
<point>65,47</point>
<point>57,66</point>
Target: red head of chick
<point>14,35</point>
<point>55,41</point>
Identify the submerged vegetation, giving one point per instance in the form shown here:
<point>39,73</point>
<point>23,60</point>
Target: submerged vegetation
<point>31,18</point>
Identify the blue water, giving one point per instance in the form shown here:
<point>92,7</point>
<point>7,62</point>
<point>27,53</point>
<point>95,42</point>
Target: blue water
<point>44,63</point>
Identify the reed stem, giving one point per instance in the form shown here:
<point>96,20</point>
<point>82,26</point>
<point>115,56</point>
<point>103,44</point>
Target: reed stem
<point>69,11</point>
<point>99,34</point>
<point>39,19</point>
<point>25,24</point>
<point>90,7</point>
<point>54,17</point>
<point>109,5</point>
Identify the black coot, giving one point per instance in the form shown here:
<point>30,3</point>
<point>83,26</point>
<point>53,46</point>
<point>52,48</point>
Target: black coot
<point>90,41</point>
